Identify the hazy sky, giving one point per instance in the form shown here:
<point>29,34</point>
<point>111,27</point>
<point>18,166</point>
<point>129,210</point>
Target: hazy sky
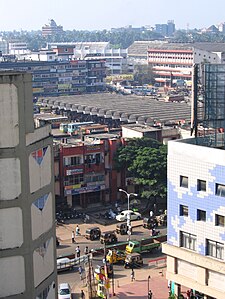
<point>106,14</point>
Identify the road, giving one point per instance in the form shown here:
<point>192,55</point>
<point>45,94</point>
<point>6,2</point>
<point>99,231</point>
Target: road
<point>66,247</point>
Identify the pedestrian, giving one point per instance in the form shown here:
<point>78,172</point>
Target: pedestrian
<point>82,296</point>
<point>188,293</point>
<point>132,275</point>
<point>77,230</point>
<point>73,237</point>
<point>80,270</point>
<point>150,294</point>
<point>86,251</point>
<point>78,251</point>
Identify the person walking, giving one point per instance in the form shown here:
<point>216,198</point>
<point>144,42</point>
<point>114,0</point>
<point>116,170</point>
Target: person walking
<point>132,275</point>
<point>80,270</point>
<point>78,251</point>
<point>86,251</point>
<point>77,231</point>
<point>82,296</point>
<point>73,237</point>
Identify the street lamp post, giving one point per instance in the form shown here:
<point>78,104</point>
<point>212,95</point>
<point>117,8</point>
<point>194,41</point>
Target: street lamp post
<point>128,207</point>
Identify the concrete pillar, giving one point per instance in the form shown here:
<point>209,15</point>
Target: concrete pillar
<point>69,200</point>
<point>177,289</point>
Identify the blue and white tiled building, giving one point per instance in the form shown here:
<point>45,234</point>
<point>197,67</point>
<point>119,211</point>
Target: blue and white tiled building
<point>196,217</point>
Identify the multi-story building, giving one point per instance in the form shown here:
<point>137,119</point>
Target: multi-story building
<point>115,59</point>
<point>84,170</point>
<point>196,191</point>
<point>54,78</point>
<point>175,61</point>
<point>18,48</point>
<point>52,28</point>
<point>96,73</point>
<point>166,29</point>
<point>27,213</point>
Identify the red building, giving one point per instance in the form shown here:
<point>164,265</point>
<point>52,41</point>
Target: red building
<point>85,172</point>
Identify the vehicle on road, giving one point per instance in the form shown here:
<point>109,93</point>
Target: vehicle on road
<point>108,237</point>
<point>115,256</point>
<point>133,260</point>
<point>124,215</point>
<point>99,272</point>
<point>150,222</point>
<point>93,233</point>
<point>162,219</point>
<point>122,228</point>
<point>64,291</point>
<point>147,244</point>
<point>66,263</point>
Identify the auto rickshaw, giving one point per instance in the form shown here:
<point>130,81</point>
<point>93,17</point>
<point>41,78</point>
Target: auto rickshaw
<point>93,233</point>
<point>115,256</point>
<point>108,237</point>
<point>122,228</point>
<point>100,271</point>
<point>133,260</point>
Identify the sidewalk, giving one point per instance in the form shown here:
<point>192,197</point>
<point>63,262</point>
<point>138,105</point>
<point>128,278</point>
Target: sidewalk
<point>139,288</point>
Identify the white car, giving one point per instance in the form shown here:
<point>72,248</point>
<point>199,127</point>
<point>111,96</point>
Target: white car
<point>123,215</point>
<point>64,291</point>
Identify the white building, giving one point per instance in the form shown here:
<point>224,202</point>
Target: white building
<point>18,48</point>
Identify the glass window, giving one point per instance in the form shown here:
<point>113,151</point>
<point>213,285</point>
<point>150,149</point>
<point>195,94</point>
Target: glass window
<point>73,179</point>
<point>201,185</point>
<point>183,210</point>
<point>215,249</point>
<point>220,190</point>
<point>184,181</point>
<point>188,240</point>
<point>201,215</point>
<point>219,220</point>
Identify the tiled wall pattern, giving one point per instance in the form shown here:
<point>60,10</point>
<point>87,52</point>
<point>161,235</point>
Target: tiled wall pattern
<point>196,163</point>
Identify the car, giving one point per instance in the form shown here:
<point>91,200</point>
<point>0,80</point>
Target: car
<point>133,215</point>
<point>64,291</point>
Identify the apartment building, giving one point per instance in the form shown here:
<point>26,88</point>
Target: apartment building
<point>51,29</point>
<point>27,207</point>
<point>54,78</point>
<point>84,170</point>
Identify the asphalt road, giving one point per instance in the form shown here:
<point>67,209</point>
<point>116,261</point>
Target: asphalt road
<point>66,247</point>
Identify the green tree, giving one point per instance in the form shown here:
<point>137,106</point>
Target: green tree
<point>145,159</point>
<point>143,74</point>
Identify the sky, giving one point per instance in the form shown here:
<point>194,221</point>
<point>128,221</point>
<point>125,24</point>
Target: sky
<point>105,14</point>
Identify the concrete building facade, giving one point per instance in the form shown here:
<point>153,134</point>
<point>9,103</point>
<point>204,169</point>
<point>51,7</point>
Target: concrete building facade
<point>27,230</point>
<point>84,170</point>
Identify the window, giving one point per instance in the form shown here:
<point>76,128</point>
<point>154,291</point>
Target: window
<point>201,185</point>
<point>201,215</point>
<point>215,249</point>
<point>183,210</point>
<point>75,160</point>
<point>220,190</point>
<point>188,240</point>
<point>184,181</point>
<point>73,179</point>
<point>93,159</point>
<point>219,220</point>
